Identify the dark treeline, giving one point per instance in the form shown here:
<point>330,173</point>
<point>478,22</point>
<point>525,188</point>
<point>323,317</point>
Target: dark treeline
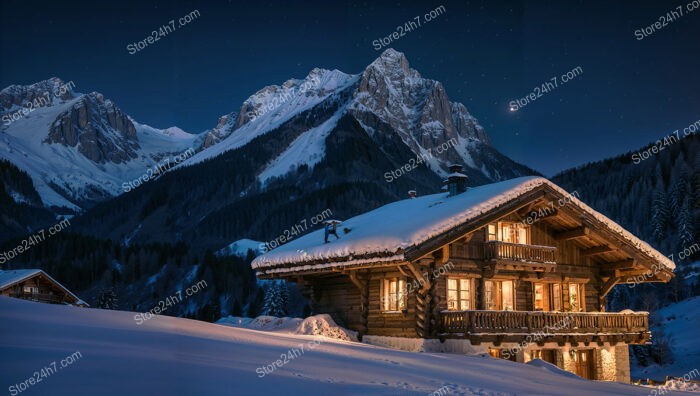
<point>143,275</point>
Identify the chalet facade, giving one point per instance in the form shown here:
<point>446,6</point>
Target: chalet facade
<point>36,285</point>
<point>519,269</point>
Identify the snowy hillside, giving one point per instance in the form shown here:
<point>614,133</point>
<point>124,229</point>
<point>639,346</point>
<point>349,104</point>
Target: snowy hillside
<point>165,356</point>
<point>681,322</point>
<point>79,148</point>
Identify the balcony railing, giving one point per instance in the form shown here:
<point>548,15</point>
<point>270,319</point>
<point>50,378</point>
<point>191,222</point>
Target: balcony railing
<point>41,297</point>
<point>495,322</point>
<point>497,250</point>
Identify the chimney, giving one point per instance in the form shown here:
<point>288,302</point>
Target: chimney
<point>456,181</point>
<point>411,193</point>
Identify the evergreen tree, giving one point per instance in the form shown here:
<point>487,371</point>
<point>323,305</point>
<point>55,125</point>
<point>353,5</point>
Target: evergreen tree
<point>108,299</point>
<point>255,304</point>
<point>659,214</point>
<point>274,303</point>
<point>284,296</point>
<point>236,309</point>
<point>686,231</point>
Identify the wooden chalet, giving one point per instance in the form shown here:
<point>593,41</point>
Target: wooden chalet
<point>36,285</point>
<point>519,269</point>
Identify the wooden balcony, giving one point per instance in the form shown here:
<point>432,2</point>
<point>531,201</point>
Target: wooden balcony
<point>558,326</point>
<point>40,297</point>
<point>512,254</point>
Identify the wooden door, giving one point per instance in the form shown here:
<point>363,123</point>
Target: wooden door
<point>548,355</point>
<point>584,364</point>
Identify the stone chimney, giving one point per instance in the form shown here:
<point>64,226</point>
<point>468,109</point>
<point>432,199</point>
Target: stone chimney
<point>456,181</point>
<point>412,193</point>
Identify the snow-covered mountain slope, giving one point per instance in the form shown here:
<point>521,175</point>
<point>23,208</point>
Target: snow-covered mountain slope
<point>680,322</point>
<point>79,148</point>
<point>388,97</point>
<point>241,248</point>
<point>271,107</point>
<point>173,356</point>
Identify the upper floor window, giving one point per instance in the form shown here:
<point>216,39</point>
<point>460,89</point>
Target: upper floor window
<point>559,297</point>
<point>459,294</point>
<point>31,289</point>
<point>507,231</point>
<point>541,296</point>
<point>576,297</point>
<point>499,295</point>
<point>393,295</point>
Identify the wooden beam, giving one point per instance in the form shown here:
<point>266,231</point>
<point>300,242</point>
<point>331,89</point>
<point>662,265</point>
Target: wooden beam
<point>550,213</point>
<point>607,286</point>
<point>402,271</point>
<point>618,265</point>
<point>631,272</point>
<point>597,250</point>
<point>445,254</point>
<point>417,275</point>
<point>355,280</point>
<point>572,234</point>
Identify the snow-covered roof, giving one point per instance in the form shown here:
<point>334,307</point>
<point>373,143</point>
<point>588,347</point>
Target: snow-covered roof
<point>11,277</point>
<point>392,228</point>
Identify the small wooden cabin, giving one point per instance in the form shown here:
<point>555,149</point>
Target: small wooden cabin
<point>519,269</point>
<point>36,285</point>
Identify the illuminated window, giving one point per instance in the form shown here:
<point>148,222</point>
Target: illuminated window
<point>556,297</point>
<point>499,295</point>
<point>576,297</point>
<point>31,289</point>
<point>393,295</point>
<point>508,232</point>
<point>459,294</point>
<point>541,297</point>
<point>491,232</point>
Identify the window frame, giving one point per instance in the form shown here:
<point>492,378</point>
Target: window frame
<point>399,302</point>
<point>546,296</point>
<point>557,298</point>
<point>470,293</point>
<point>496,286</point>
<point>495,232</point>
<point>580,295</point>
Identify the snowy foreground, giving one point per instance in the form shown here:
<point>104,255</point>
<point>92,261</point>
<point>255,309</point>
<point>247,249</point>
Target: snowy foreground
<point>172,356</point>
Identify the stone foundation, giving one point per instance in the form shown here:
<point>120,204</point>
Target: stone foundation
<point>611,363</point>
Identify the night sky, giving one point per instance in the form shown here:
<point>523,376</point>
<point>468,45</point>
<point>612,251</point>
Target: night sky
<point>486,54</point>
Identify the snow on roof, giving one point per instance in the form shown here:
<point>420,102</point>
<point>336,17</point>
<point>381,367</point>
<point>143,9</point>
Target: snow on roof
<point>394,227</point>
<point>457,174</point>
<point>9,278</point>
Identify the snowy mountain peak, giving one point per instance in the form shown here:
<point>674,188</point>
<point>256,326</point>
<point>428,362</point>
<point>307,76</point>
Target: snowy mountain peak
<point>78,148</point>
<point>271,106</point>
<point>44,93</point>
<point>387,92</point>
<point>393,62</point>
